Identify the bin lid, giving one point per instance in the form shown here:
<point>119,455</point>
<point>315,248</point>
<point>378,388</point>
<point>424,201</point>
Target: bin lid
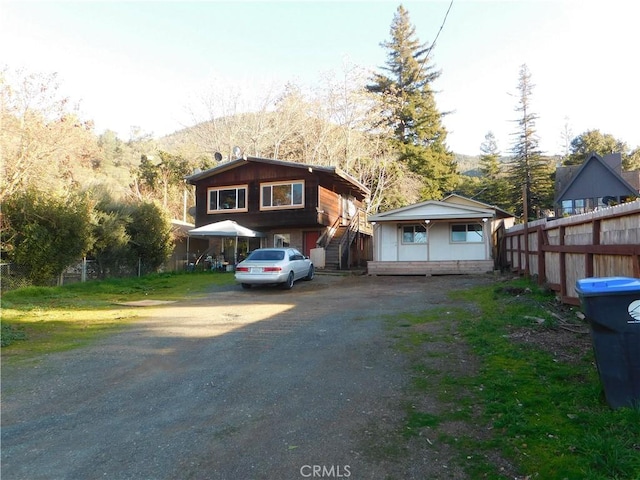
<point>607,286</point>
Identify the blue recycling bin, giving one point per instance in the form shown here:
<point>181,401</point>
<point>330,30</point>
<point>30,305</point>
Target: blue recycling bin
<point>612,307</point>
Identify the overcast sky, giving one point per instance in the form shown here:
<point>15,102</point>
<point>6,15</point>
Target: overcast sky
<point>146,63</point>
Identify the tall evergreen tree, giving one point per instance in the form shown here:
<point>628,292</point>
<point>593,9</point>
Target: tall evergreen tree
<point>530,174</point>
<point>494,187</point>
<point>409,108</point>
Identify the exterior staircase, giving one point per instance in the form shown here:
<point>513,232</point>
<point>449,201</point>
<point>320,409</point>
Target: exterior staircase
<point>332,250</point>
<point>341,240</point>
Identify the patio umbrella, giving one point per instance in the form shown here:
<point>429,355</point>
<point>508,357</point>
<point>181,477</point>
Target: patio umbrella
<point>225,228</point>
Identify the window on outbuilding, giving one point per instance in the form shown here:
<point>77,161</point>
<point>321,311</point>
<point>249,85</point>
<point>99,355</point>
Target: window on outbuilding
<point>467,233</point>
<point>414,234</point>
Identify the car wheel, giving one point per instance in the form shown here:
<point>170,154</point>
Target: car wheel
<point>288,285</point>
<point>246,286</point>
<point>310,274</point>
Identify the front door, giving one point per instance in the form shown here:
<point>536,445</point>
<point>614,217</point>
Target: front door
<point>310,239</point>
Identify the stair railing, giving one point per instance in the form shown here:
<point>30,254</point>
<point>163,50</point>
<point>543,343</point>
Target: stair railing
<point>327,236</point>
<point>344,248</point>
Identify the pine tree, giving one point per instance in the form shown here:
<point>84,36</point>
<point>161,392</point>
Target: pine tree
<point>494,187</point>
<point>409,108</point>
<point>530,174</point>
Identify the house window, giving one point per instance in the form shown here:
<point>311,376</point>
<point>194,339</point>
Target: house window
<point>282,195</point>
<point>281,240</point>
<point>414,234</point>
<point>226,199</point>
<point>468,233</point>
<point>567,207</point>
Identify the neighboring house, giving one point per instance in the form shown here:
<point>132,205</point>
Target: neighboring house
<point>597,183</point>
<point>455,235</point>
<point>318,210</point>
<point>186,249</point>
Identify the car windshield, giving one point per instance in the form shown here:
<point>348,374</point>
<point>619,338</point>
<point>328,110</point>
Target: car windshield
<point>267,255</point>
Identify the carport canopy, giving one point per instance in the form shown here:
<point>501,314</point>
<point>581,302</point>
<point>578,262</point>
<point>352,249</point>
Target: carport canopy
<point>225,228</point>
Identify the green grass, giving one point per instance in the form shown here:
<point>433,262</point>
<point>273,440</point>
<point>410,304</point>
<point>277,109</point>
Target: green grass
<point>40,320</point>
<point>546,417</point>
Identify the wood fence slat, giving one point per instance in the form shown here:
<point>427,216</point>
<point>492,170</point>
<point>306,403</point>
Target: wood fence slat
<point>559,252</point>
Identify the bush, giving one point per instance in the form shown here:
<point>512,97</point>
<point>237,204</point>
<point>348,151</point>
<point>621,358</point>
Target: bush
<point>44,233</point>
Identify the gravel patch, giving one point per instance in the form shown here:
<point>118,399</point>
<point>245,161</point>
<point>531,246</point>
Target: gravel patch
<point>255,384</point>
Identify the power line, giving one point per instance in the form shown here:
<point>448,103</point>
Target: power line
<point>444,20</point>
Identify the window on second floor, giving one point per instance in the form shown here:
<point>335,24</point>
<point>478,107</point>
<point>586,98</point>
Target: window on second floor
<point>467,233</point>
<point>282,195</point>
<point>414,234</point>
<point>226,199</point>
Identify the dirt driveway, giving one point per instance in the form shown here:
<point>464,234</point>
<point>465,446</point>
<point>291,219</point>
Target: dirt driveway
<point>258,384</point>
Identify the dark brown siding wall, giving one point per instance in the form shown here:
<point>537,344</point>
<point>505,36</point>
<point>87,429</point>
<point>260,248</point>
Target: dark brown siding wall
<point>254,174</point>
<point>329,206</point>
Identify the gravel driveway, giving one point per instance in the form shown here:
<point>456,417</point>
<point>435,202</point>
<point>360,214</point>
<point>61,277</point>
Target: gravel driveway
<point>258,384</point>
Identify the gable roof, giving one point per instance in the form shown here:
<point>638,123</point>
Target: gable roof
<point>433,210</point>
<point>338,174</point>
<point>593,158</point>
<point>455,198</point>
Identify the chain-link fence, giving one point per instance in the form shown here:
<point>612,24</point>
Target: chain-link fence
<point>13,276</point>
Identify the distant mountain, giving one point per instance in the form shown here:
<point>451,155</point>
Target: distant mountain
<point>467,164</point>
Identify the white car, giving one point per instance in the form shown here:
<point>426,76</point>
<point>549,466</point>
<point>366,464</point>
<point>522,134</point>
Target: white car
<point>266,266</point>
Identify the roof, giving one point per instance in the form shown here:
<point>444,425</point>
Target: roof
<point>455,198</point>
<point>181,227</point>
<point>450,208</point>
<point>433,210</point>
<point>572,175</point>
<point>340,175</point>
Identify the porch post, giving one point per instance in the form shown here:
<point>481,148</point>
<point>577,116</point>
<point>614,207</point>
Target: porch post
<point>487,239</point>
<point>428,228</point>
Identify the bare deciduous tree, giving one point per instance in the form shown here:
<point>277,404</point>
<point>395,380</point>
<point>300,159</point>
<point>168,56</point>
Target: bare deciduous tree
<point>42,137</point>
<point>335,124</point>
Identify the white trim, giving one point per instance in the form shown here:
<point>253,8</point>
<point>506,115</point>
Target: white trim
<point>244,187</point>
<point>281,207</point>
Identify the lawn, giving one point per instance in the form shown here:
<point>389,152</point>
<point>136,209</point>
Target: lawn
<point>37,320</point>
<point>533,400</point>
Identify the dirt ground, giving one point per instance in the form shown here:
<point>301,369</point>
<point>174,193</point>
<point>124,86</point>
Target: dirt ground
<point>257,384</point>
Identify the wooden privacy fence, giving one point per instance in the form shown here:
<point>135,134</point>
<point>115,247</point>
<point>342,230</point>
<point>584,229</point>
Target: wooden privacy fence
<point>605,243</point>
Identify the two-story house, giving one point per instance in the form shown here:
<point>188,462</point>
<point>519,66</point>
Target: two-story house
<point>312,208</point>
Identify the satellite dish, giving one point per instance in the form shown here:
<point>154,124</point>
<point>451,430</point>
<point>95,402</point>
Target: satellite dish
<point>237,153</point>
<point>217,156</point>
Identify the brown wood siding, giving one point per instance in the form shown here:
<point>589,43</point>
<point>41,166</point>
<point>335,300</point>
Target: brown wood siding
<point>329,206</point>
<point>253,176</point>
